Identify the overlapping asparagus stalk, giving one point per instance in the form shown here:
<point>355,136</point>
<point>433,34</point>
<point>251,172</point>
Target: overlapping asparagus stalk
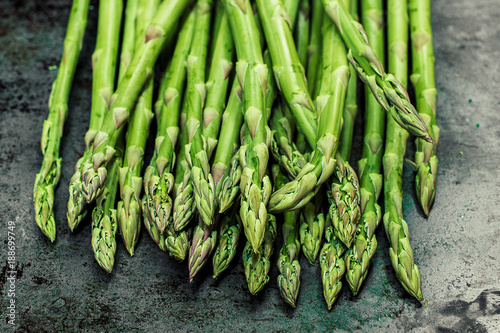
<point>129,208</point>
<point>423,80</point>
<point>104,61</point>
<point>125,97</point>
<point>388,91</point>
<point>314,48</point>
<point>227,245</point>
<point>302,32</point>
<point>400,250</point>
<point>288,263</point>
<point>197,148</point>
<point>254,154</point>
<point>48,177</point>
<point>332,265</point>
<point>158,177</point>
<point>312,228</point>
<point>257,263</point>
<point>104,216</point>
<point>370,165</point>
<point>330,105</point>
<point>226,168</point>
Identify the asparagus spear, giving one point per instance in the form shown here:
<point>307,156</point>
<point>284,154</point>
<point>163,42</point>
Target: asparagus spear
<point>202,245</point>
<point>312,228</point>
<point>332,265</point>
<point>254,154</point>
<point>424,82</point>
<point>226,168</point>
<point>129,88</point>
<point>205,237</point>
<point>48,177</point>
<point>330,105</point>
<point>104,65</point>
<point>129,207</point>
<point>385,87</point>
<point>287,68</point>
<point>314,48</point>
<point>227,245</point>
<point>400,250</point>
<point>288,263</point>
<point>218,79</point>
<point>302,31</point>
<point>292,9</point>
<point>351,106</point>
<point>257,263</point>
<point>344,198</point>
<point>358,259</point>
<point>283,147</point>
<point>197,148</point>
<point>104,218</point>
<point>158,177</point>
<point>177,241</point>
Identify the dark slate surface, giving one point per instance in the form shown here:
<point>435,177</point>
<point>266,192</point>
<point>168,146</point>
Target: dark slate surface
<point>60,288</point>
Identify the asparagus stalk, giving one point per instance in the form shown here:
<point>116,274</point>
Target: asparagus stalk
<point>358,259</point>
<point>205,237</point>
<point>351,105</point>
<point>287,68</point>
<point>227,245</point>
<point>314,47</point>
<point>129,88</point>
<point>202,245</point>
<point>257,263</point>
<point>288,263</point>
<point>330,105</point>
<point>197,148</point>
<point>312,228</point>
<point>226,168</point>
<point>104,64</point>
<point>302,31</point>
<point>129,207</point>
<point>254,155</point>
<point>48,177</point>
<point>332,265</point>
<point>385,87</point>
<point>158,177</point>
<point>218,79</point>
<point>292,9</point>
<point>177,241</point>
<point>283,147</point>
<point>400,250</point>
<point>424,82</point>
<point>344,197</point>
<point>104,217</point>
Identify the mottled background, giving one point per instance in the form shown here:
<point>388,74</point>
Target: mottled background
<point>60,288</point>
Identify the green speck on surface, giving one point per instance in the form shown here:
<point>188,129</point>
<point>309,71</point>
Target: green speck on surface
<point>53,68</point>
<point>477,125</point>
<point>470,100</point>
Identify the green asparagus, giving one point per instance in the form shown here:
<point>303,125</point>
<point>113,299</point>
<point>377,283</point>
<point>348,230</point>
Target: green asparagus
<point>125,97</point>
<point>252,74</point>
<point>388,91</point>
<point>128,210</point>
<point>400,250</point>
<point>104,61</point>
<point>48,177</point>
<point>227,245</point>
<point>423,80</point>
<point>370,165</point>
<point>158,177</point>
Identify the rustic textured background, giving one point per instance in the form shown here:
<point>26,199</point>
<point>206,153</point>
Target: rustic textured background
<point>60,288</point>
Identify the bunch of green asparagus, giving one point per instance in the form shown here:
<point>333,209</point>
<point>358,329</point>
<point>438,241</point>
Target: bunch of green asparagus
<point>242,81</point>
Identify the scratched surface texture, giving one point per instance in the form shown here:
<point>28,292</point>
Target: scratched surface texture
<point>60,288</point>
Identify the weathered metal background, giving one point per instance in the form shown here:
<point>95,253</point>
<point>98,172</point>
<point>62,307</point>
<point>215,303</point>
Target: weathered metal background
<point>60,288</point>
